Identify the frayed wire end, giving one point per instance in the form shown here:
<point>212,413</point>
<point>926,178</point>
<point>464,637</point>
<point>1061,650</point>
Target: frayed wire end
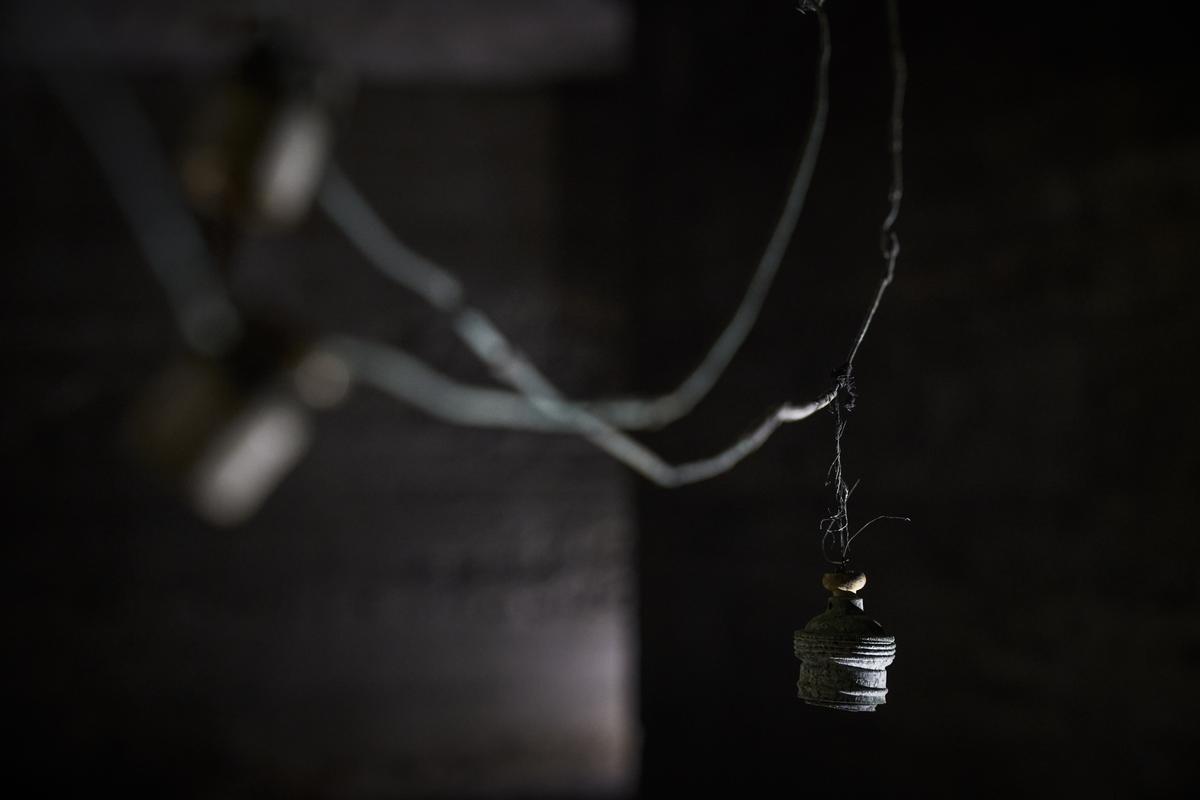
<point>843,382</point>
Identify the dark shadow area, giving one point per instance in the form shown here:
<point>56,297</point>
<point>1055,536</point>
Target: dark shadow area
<point>1023,397</point>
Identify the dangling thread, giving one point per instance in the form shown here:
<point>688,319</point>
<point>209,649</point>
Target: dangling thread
<point>835,529</point>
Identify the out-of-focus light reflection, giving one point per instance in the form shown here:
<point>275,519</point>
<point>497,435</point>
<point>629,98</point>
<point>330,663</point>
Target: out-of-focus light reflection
<point>229,430</point>
<point>291,164</point>
<point>248,459</point>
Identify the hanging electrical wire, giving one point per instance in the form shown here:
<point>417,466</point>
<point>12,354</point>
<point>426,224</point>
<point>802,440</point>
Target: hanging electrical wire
<point>843,653</point>
<point>600,422</point>
<point>353,214</point>
<point>835,529</point>
<point>232,435</point>
<point>536,404</point>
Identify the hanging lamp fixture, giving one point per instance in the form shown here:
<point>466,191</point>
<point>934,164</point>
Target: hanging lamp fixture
<point>844,654</point>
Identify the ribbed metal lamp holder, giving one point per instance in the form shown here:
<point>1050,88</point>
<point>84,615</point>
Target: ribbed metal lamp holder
<point>844,656</point>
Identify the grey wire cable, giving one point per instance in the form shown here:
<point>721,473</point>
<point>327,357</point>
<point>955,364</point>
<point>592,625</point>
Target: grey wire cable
<point>405,377</point>
<point>513,368</point>
<point>395,372</point>
<point>349,209</point>
<point>656,412</point>
<point>437,286</point>
<point>123,143</point>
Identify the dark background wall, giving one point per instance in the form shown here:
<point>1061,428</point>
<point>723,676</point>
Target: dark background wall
<point>1023,398</point>
<point>424,610</point>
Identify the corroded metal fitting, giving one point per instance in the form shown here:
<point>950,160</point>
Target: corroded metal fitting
<point>844,654</point>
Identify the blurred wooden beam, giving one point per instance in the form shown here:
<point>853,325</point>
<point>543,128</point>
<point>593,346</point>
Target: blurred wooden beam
<point>406,41</point>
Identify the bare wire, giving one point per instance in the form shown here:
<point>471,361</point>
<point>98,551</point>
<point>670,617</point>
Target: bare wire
<point>124,145</point>
<point>876,519</point>
<point>837,525</point>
